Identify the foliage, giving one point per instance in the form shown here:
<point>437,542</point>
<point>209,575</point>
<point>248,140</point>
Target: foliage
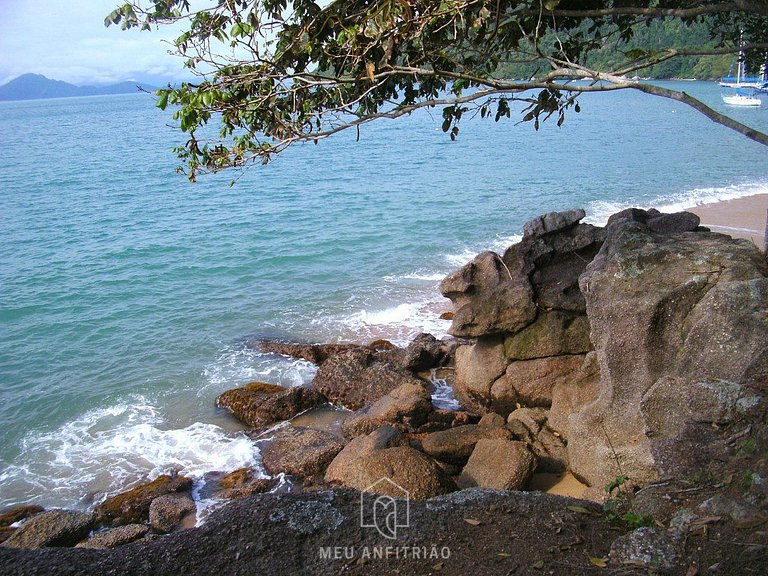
<point>273,73</point>
<point>618,504</point>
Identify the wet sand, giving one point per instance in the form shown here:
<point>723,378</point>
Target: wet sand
<point>740,218</point>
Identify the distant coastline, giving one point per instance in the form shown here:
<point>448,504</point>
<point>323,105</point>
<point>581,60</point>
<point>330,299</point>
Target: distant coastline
<point>38,87</point>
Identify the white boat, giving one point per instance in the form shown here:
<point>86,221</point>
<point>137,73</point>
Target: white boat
<point>741,100</point>
<point>744,88</point>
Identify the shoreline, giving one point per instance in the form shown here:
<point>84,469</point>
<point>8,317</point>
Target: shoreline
<point>742,217</point>
<point>739,217</point>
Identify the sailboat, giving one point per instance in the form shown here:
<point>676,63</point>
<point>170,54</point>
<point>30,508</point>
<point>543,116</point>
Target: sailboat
<point>744,88</point>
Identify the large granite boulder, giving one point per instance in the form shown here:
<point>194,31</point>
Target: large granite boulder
<point>680,327</point>
<point>167,512</point>
<point>404,467</point>
<point>53,528</point>
<point>132,506</point>
<point>259,404</point>
<point>455,445</point>
<point>343,465</point>
<point>528,345</point>
<point>498,463</point>
<point>359,377</point>
<point>478,366</point>
<point>115,536</point>
<point>487,298</point>
<point>407,406</point>
<point>300,451</point>
<point>425,352</point>
<point>553,253</point>
<point>532,382</point>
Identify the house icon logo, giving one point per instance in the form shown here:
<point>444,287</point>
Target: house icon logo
<point>385,505</point>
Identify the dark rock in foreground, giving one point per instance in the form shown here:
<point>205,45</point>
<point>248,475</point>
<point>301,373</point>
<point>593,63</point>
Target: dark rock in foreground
<point>468,532</point>
<point>54,528</point>
<point>132,506</point>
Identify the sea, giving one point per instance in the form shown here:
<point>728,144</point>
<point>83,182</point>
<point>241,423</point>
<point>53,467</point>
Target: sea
<point>128,295</point>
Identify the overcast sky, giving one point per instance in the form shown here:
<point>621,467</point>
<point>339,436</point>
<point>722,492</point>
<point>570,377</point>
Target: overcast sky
<point>67,40</point>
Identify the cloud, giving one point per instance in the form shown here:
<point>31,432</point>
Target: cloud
<point>67,40</point>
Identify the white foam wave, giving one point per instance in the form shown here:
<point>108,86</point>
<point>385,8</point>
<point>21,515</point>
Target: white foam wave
<point>108,450</point>
<point>460,258</point>
<point>498,245</point>
<point>420,276</point>
<point>598,212</point>
<point>398,324</point>
<point>501,244</point>
<point>238,366</point>
<point>396,314</point>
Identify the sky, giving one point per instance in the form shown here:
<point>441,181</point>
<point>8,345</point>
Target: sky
<point>67,40</point>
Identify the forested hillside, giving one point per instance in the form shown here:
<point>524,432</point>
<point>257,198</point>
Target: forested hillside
<point>654,36</point>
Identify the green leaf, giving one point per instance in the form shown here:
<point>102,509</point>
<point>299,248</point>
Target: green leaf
<point>162,100</point>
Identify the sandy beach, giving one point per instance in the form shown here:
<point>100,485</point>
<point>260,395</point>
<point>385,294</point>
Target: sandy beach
<point>740,218</point>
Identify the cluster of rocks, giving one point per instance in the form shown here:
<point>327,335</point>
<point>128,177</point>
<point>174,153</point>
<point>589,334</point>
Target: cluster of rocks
<point>638,349</point>
<point>157,507</point>
<point>603,351</point>
<point>394,431</point>
<point>635,343</point>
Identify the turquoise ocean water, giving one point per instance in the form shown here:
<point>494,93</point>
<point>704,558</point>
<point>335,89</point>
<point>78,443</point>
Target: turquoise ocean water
<point>126,293</point>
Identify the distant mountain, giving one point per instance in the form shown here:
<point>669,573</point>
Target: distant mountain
<point>34,86</point>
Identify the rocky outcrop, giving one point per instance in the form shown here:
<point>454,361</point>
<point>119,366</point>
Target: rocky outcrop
<point>343,465</point>
<point>243,482</point>
<point>132,506</point>
<point>680,327</point>
<point>498,463</point>
<point>455,445</point>
<point>385,453</point>
<point>488,299</point>
<point>359,377</point>
<point>53,528</point>
<point>408,406</point>
<point>167,512</point>
<point>521,362</point>
<point>406,469</point>
<point>640,338</point>
<point>116,536</point>
<point>259,404</point>
<point>300,451</point>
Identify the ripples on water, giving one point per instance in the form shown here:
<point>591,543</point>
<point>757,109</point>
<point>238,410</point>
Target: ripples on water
<point>126,293</point>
